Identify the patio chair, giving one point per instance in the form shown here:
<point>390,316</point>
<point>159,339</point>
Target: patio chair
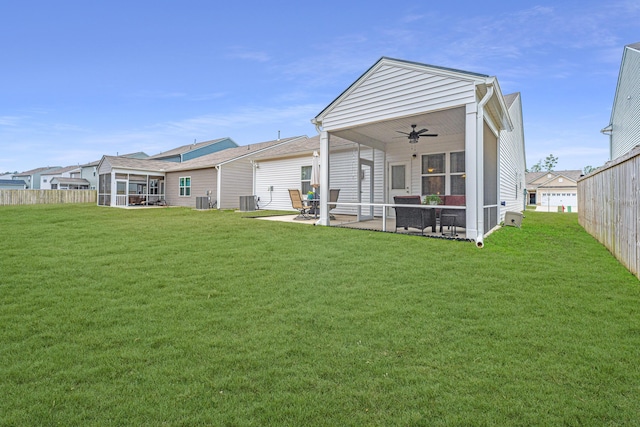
<point>298,204</point>
<point>413,217</point>
<point>454,217</point>
<point>333,198</point>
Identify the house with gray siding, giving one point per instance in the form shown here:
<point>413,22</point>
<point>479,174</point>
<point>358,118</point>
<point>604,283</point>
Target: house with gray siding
<point>32,177</point>
<point>624,126</point>
<point>422,129</point>
<point>223,176</point>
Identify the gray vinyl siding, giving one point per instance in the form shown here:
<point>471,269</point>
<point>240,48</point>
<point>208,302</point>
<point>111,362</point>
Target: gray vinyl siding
<point>384,95</point>
<point>201,181</point>
<point>236,180</point>
<point>105,167</point>
<point>625,116</point>
<point>512,163</point>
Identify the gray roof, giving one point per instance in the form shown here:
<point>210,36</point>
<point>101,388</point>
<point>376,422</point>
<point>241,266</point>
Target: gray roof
<point>12,182</point>
<point>64,180</point>
<point>508,99</point>
<point>302,146</point>
<point>635,46</point>
<point>186,148</point>
<point>531,177</point>
<point>220,157</point>
<point>37,170</point>
<point>141,164</point>
<point>61,170</point>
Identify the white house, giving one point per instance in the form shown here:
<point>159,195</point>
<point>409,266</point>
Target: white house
<point>624,126</point>
<point>64,179</point>
<point>478,152</point>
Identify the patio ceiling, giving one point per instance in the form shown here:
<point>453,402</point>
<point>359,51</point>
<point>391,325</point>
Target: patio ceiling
<point>380,134</point>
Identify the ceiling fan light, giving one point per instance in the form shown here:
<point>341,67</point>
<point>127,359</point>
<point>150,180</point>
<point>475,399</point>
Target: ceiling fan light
<point>413,140</point>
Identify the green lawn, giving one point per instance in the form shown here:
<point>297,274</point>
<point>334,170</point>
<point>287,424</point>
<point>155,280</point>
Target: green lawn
<point>181,317</point>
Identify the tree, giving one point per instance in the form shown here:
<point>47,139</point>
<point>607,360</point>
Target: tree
<point>536,168</point>
<point>588,169</point>
<point>550,162</point>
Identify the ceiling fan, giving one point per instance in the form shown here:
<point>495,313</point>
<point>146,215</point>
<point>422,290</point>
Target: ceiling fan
<point>414,135</point>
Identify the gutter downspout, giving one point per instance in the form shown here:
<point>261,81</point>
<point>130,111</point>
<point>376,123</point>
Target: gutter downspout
<point>218,187</point>
<point>480,165</point>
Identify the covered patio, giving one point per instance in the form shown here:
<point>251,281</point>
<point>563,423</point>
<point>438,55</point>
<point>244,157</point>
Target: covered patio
<point>454,154</point>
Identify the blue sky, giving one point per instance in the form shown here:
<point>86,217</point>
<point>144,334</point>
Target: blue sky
<point>81,79</point>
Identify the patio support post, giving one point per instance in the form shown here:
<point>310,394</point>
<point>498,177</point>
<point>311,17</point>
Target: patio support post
<point>114,188</point>
<point>324,178</point>
<point>471,170</point>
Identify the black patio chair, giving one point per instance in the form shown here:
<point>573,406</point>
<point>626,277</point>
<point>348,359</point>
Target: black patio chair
<point>413,217</point>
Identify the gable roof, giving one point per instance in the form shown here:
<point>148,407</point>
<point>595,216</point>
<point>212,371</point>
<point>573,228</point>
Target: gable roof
<point>302,147</point>
<point>187,148</point>
<point>231,154</point>
<point>12,182</point>
<point>37,170</point>
<point>64,180</point>
<point>387,60</point>
<point>138,164</point>
<point>508,99</point>
<point>60,170</point>
<point>532,177</point>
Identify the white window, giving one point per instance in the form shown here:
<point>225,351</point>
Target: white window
<point>305,179</point>
<point>185,186</point>
<point>444,173</point>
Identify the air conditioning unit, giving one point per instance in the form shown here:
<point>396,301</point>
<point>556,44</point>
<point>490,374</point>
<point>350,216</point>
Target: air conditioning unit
<point>202,203</point>
<point>247,203</point>
<point>513,219</point>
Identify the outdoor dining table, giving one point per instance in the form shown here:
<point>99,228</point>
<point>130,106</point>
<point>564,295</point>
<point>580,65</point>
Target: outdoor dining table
<point>314,205</point>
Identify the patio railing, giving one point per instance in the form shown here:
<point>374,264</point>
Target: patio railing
<point>384,207</point>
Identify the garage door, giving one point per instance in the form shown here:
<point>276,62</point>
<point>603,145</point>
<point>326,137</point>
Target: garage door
<point>559,199</point>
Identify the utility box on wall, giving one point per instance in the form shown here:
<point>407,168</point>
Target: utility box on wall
<point>247,203</point>
<point>514,219</point>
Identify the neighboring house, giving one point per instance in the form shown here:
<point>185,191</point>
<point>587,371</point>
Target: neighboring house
<point>12,184</point>
<point>609,195</point>
<point>89,172</point>
<point>124,181</point>
<point>32,177</point>
<point>624,126</point>
<point>222,176</point>
<point>553,190</point>
<point>468,158</point>
<point>193,151</point>
<point>64,183</point>
<point>513,194</point>
<point>72,180</point>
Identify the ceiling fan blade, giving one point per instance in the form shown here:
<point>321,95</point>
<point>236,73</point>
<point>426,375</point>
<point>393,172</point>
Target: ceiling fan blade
<point>420,131</point>
<point>404,133</point>
<point>429,134</point>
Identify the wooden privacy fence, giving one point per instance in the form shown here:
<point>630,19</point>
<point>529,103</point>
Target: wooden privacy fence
<point>608,208</point>
<point>37,197</point>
